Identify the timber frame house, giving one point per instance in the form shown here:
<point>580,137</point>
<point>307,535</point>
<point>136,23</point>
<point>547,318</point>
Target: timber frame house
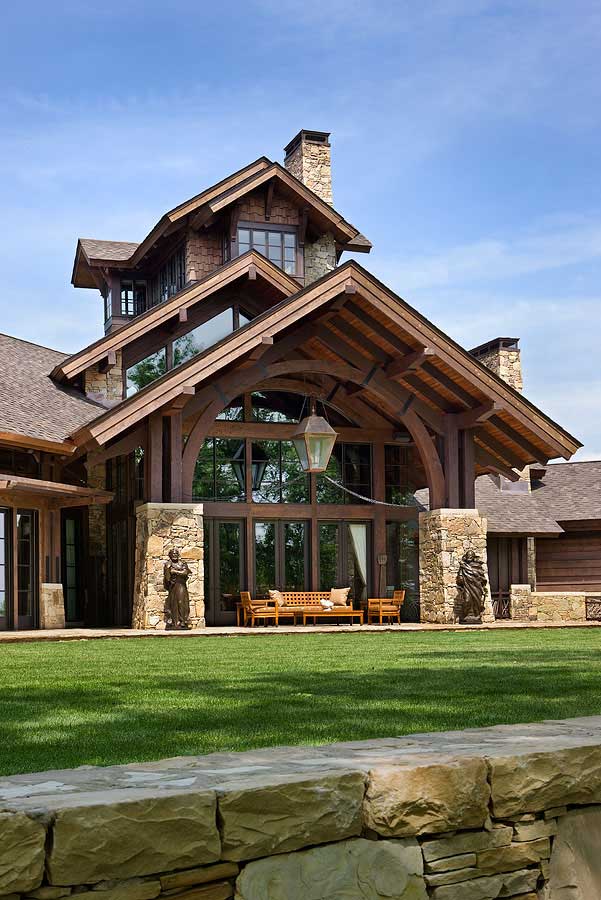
<point>221,326</point>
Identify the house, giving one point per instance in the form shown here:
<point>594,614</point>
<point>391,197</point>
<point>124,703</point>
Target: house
<point>237,315</point>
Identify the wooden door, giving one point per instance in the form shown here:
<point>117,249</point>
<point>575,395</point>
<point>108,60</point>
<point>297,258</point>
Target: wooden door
<point>5,569</point>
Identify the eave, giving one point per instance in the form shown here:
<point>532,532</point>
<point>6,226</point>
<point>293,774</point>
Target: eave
<point>367,331</point>
<point>61,448</point>
<point>249,265</point>
<point>58,494</point>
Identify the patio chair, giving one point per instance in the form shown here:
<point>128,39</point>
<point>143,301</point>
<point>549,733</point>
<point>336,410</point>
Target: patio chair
<point>256,609</point>
<point>385,608</point>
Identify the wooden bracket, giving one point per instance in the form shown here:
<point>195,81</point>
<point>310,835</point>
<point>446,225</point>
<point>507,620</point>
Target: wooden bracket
<point>349,288</point>
<point>408,363</point>
<point>180,319</point>
<point>234,217</point>
<point>176,405</point>
<point>258,351</point>
<point>252,272</point>
<point>476,416</point>
<point>201,218</point>
<point>108,362</point>
<point>302,228</point>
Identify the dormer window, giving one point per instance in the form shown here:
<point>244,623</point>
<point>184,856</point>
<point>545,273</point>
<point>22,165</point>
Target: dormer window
<point>133,298</point>
<point>278,245</point>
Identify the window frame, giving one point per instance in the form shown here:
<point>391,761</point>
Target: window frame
<point>234,245</point>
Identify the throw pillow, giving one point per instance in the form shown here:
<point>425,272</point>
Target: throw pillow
<point>277,596</point>
<point>339,596</point>
<point>326,604</point>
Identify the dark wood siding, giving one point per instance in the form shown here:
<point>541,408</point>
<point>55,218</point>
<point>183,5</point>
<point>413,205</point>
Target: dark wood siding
<point>571,562</point>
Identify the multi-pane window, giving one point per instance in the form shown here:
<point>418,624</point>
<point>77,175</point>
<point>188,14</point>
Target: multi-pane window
<point>133,298</point>
<point>108,305</point>
<point>396,474</point>
<point>220,470</point>
<point>350,468</point>
<point>278,246</point>
<point>277,473</point>
<point>170,278</point>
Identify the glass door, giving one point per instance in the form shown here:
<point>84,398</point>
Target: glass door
<point>27,575</point>
<point>281,556</point>
<point>72,565</point>
<point>345,558</point>
<point>225,571</point>
<point>5,592</point>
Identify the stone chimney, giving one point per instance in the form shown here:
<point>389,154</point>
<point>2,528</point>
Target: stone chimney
<point>502,356</point>
<point>308,159</point>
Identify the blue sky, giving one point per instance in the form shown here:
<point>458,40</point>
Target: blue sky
<point>465,138</point>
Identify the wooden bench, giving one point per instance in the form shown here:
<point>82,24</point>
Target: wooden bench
<point>296,604</point>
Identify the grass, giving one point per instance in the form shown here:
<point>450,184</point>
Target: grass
<point>110,701</point>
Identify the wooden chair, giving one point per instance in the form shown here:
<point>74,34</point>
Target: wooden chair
<point>385,608</point>
<point>256,609</point>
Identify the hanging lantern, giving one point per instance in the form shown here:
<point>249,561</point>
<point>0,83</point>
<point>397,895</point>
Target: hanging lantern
<point>314,441</point>
<point>258,465</point>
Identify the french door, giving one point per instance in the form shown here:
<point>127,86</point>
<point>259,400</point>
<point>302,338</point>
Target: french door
<point>72,563</point>
<point>225,569</point>
<point>282,555</point>
<point>345,557</point>
<point>5,569</point>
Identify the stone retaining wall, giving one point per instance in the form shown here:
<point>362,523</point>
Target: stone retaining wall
<point>505,812</point>
<point>546,606</point>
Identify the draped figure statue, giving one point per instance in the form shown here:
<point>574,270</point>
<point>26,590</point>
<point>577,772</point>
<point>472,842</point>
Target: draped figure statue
<point>175,577</point>
<point>471,581</point>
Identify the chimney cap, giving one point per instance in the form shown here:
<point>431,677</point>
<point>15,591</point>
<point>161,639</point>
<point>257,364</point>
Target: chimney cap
<point>499,343</point>
<point>312,137</point>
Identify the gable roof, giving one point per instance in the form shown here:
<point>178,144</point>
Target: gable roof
<point>249,264</point>
<point>91,253</point>
<point>34,409</point>
<point>373,321</point>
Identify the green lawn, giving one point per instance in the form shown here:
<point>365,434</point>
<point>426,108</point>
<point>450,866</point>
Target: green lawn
<point>109,701</point>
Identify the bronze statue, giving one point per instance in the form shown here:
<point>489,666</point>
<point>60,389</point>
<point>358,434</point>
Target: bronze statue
<point>471,581</point>
<point>175,577</point>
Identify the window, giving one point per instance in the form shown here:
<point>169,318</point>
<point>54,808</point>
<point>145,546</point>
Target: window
<point>170,278</point>
<point>108,305</point>
<point>277,474</point>
<point>133,298</point>
<point>402,566</point>
<point>146,371</point>
<point>396,475</point>
<point>281,556</point>
<point>219,473</point>
<point>345,557</point>
<point>349,466</point>
<point>278,246</point>
<point>205,335</point>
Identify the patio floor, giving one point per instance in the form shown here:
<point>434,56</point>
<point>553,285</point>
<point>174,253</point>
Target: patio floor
<point>83,634</point>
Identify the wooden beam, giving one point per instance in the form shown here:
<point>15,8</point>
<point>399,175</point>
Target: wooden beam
<point>262,348</point>
<point>529,448</point>
<point>467,469</point>
<point>201,218</point>
<point>471,418</point>
<point>233,226</point>
<point>121,447</point>
<point>175,457</point>
<point>451,463</point>
<point>108,362</point>
<point>175,406</point>
<point>503,454</point>
<point>179,319</point>
<point>269,199</point>
<point>302,228</point>
<point>408,363</point>
<point>487,461</point>
<point>154,459</point>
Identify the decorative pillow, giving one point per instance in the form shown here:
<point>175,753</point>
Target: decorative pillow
<point>339,596</point>
<point>326,604</point>
<point>277,596</point>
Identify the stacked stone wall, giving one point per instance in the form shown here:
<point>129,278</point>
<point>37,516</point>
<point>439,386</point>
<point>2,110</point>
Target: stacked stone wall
<point>320,258</point>
<point>505,812</point>
<point>444,536</point>
<point>105,387</point>
<point>161,527</point>
<point>505,363</point>
<point>546,606</point>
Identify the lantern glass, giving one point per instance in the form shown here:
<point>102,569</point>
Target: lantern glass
<point>257,467</point>
<point>314,441</point>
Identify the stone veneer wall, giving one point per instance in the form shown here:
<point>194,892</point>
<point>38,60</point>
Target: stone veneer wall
<point>546,606</point>
<point>320,258</point>
<point>505,363</point>
<point>105,387</point>
<point>159,528</point>
<point>505,812</point>
<point>444,536</point>
<point>52,606</point>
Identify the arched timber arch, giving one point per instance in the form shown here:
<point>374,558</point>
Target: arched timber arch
<point>242,381</point>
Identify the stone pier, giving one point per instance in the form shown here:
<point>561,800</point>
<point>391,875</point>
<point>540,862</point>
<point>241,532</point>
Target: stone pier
<point>159,528</point>
<point>444,536</point>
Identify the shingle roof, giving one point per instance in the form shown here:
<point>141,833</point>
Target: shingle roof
<point>33,405</point>
<point>570,491</point>
<point>110,250</point>
<point>567,492</point>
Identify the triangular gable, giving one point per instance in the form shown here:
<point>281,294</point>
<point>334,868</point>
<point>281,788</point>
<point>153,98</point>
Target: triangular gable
<point>527,432</point>
<point>251,263</point>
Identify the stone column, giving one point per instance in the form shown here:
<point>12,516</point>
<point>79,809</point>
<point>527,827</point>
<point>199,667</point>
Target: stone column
<point>444,536</point>
<point>159,528</point>
<point>52,606</point>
